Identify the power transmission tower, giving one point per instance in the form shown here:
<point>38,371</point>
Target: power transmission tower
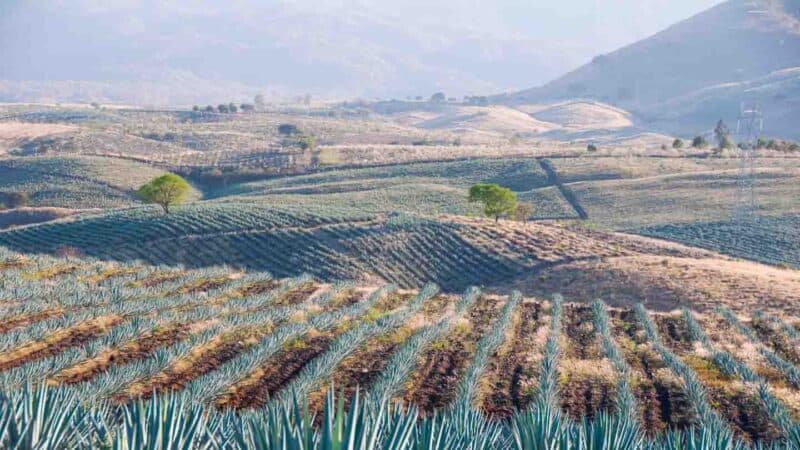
<point>749,126</point>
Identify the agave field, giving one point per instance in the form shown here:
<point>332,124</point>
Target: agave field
<point>771,240</point>
<point>96,354</point>
<point>329,243</point>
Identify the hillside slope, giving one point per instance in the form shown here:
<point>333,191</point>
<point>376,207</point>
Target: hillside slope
<point>698,70</point>
<point>452,251</point>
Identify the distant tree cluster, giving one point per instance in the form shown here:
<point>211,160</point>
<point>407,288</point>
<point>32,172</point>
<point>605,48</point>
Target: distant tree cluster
<point>478,100</point>
<point>222,108</point>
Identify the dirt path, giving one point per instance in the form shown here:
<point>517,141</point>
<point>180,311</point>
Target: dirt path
<point>566,192</point>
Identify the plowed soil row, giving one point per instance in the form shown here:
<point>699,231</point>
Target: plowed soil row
<point>296,295</point>
<point>510,379</point>
<point>586,383</point>
<point>262,384</point>
<point>433,384</point>
<point>59,341</point>
<point>200,361</point>
<point>10,323</point>
<point>137,349</point>
<point>733,401</point>
<point>662,400</point>
<point>777,340</point>
<point>359,370</point>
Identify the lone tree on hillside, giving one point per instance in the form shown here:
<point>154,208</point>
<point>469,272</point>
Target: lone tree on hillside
<point>165,191</point>
<point>523,211</point>
<point>677,143</point>
<point>496,200</point>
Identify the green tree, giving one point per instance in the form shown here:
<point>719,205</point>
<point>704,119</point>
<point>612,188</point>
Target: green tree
<point>591,148</point>
<point>165,191</point>
<point>496,200</point>
<point>677,143</point>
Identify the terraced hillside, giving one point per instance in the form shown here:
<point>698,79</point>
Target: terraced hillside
<point>200,342</point>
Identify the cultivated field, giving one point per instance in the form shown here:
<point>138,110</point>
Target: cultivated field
<point>221,339</point>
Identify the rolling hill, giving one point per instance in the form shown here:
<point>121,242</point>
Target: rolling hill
<point>686,77</point>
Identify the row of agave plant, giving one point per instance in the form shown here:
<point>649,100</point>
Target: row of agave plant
<point>40,417</point>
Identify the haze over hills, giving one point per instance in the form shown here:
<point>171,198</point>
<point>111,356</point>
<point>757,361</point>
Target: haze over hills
<point>688,76</point>
<point>173,52</point>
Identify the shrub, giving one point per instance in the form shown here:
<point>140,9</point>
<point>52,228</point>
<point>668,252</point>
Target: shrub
<point>699,142</point>
<point>14,199</point>
<point>677,143</point>
<point>288,129</point>
<point>591,148</point>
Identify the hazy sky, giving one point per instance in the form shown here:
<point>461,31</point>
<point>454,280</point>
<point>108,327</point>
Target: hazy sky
<point>342,47</point>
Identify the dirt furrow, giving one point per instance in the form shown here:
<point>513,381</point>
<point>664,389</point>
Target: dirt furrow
<point>10,323</point>
<point>137,349</point>
<point>59,341</point>
<point>433,385</point>
<point>511,374</point>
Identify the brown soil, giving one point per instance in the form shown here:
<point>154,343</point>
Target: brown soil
<point>259,386</point>
<point>109,273</point>
<point>512,374</point>
<point>297,295</point>
<point>742,410</point>
<point>777,340</point>
<point>343,299</point>
<point>582,341</point>
<point>257,288</point>
<point>433,385</point>
<point>396,300</point>
<point>202,285</point>
<point>662,401</point>
<point>51,272</point>
<point>584,396</point>
<point>674,332</point>
<point>746,414</point>
<point>27,319</point>
<point>13,263</point>
<point>59,341</point>
<point>358,370</point>
<point>199,361</point>
<point>137,349</point>
<point>155,280</point>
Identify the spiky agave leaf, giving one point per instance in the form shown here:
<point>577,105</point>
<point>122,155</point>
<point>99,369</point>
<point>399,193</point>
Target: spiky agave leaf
<point>163,422</point>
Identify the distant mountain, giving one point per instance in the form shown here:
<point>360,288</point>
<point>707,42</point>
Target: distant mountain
<point>685,78</point>
<point>185,52</point>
